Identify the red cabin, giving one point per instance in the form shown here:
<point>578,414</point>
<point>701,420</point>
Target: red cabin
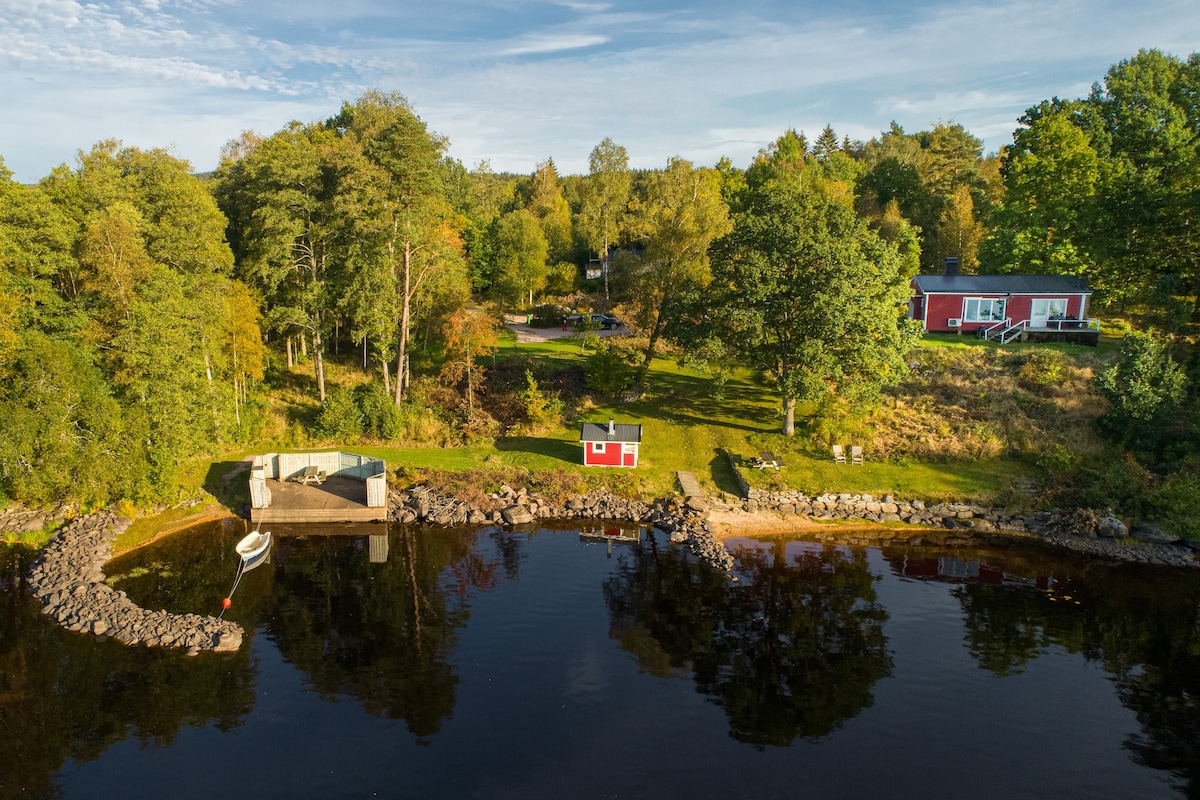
<point>610,445</point>
<point>1000,306</point>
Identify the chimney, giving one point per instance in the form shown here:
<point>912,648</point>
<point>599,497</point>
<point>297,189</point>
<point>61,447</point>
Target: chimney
<point>612,426</point>
<point>952,266</point>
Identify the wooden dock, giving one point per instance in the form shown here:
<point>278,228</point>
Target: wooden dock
<point>338,499</point>
<point>688,484</point>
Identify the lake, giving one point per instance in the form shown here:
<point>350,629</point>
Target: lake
<point>546,663</point>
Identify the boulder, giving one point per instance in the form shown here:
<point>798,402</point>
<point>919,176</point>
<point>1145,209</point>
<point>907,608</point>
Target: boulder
<point>517,515</point>
<point>1153,534</point>
<point>1112,528</point>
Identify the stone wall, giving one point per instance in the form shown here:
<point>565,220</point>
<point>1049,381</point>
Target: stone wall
<point>68,577</point>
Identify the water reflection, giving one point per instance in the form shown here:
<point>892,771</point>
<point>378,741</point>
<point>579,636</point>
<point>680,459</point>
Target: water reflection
<point>1141,624</point>
<point>790,650</point>
<point>64,696</point>
<point>381,633</point>
<point>798,645</point>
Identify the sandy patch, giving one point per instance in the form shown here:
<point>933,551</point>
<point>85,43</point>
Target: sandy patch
<point>726,524</point>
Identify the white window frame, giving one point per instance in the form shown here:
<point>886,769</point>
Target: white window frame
<point>599,448</point>
<point>996,306</point>
<point>1048,315</point>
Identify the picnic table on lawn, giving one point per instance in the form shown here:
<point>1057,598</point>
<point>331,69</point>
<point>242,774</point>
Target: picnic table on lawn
<point>768,460</point>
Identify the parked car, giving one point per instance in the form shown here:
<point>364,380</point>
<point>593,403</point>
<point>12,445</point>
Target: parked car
<point>601,321</point>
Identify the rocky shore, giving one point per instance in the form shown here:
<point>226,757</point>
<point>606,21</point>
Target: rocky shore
<point>691,520</point>
<point>68,577</point>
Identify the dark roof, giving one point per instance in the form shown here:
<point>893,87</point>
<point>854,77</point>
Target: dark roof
<point>598,432</point>
<point>1001,284</point>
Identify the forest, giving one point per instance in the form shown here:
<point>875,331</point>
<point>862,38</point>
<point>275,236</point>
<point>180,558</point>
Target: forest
<point>150,316</point>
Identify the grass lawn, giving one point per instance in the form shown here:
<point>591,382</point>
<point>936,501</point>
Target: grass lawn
<point>684,428</point>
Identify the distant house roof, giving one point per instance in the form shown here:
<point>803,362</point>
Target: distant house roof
<point>599,432</point>
<point>1001,284</point>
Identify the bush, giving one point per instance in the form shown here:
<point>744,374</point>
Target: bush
<point>341,417</point>
<point>541,408</point>
<point>548,316</point>
<point>382,419</point>
<point>1041,367</point>
<point>609,371</point>
<point>1174,504</point>
<point>1144,389</point>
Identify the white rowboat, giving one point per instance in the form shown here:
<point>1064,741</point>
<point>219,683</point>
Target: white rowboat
<point>253,545</point>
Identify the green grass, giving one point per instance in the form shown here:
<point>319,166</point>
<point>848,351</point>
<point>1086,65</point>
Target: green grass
<point>684,428</point>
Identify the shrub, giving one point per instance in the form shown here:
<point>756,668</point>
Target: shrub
<point>381,417</point>
<point>341,417</point>
<point>541,408</point>
<point>609,371</point>
<point>1041,367</point>
<point>1143,388</point>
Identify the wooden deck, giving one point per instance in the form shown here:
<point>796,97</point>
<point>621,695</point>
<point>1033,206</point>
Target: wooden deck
<point>338,499</point>
<point>688,484</point>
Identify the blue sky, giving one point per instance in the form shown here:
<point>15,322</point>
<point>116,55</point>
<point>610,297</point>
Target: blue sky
<point>517,81</point>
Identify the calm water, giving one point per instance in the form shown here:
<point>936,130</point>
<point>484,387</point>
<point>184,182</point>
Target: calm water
<point>528,665</point>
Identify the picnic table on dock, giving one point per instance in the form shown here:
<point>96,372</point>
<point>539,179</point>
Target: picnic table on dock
<point>311,475</point>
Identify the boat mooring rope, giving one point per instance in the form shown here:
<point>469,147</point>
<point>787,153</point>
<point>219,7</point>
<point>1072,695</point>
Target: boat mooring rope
<point>228,600</point>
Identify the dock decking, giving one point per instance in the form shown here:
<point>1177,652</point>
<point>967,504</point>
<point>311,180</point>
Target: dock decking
<point>338,499</point>
<point>688,484</point>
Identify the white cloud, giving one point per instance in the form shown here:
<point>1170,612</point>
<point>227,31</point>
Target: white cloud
<point>553,43</point>
<point>515,81</point>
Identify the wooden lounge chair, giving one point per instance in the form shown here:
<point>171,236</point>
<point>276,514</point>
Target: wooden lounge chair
<point>839,454</point>
<point>856,455</point>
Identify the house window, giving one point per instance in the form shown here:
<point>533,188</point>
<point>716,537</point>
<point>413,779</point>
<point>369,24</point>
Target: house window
<point>628,449</point>
<point>983,309</point>
<point>598,447</point>
<point>1049,309</point>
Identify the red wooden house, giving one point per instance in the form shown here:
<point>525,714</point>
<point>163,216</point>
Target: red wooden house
<point>1002,307</point>
<point>610,445</point>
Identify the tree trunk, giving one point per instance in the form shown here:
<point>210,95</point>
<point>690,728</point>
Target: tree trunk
<point>291,360</point>
<point>319,363</point>
<point>604,266</point>
<point>655,333</point>
<point>405,312</point>
<point>387,383</point>
<point>789,416</point>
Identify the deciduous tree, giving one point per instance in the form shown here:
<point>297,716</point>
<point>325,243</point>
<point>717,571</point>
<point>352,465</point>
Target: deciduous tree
<point>807,291</point>
<point>681,214</point>
<point>605,200</point>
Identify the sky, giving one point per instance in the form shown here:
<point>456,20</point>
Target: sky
<point>515,82</point>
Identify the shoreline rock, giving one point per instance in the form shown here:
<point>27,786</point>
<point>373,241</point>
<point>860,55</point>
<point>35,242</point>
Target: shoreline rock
<point>68,577</point>
<point>686,520</point>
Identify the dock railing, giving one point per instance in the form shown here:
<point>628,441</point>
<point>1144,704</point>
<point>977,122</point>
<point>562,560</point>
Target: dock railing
<point>290,466</point>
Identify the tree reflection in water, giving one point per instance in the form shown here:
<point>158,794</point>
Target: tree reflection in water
<point>66,696</point>
<point>382,634</point>
<point>790,650</point>
<point>1142,624</point>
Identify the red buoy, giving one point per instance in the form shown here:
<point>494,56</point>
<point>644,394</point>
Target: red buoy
<point>226,603</point>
